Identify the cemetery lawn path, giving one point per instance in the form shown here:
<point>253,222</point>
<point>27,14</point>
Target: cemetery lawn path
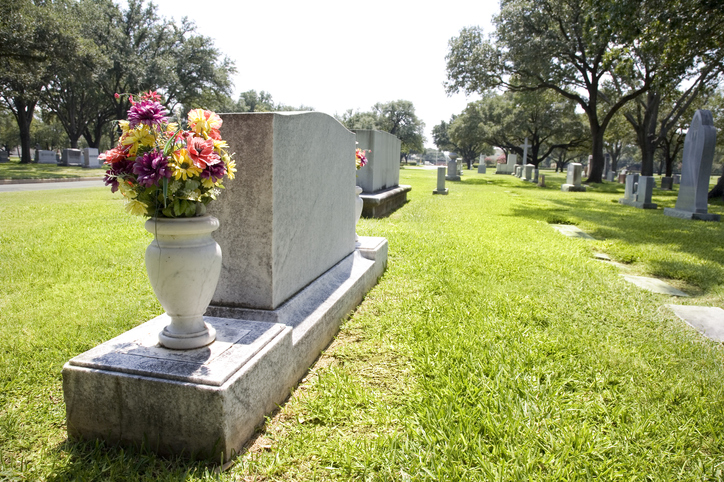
<point>493,347</point>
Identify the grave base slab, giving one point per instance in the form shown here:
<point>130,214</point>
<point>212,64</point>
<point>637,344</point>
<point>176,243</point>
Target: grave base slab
<point>206,403</point>
<point>572,188</point>
<point>709,321</point>
<point>637,204</point>
<point>380,204</point>
<point>680,213</point>
<point>444,191</point>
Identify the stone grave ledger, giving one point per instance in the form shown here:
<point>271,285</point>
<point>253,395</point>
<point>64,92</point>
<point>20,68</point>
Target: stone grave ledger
<point>380,178</point>
<point>290,274</point>
<point>696,163</point>
<point>90,158</point>
<point>70,157</point>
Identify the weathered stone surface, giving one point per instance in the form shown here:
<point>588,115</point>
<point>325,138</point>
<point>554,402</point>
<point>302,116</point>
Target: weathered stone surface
<point>527,172</point>
<point>90,158</point>
<point>383,160</point>
<point>440,181</point>
<point>571,231</point>
<point>288,216</point>
<point>45,157</point>
<point>207,402</point>
<point>708,321</point>
<point>573,178</point>
<point>667,183</point>
<point>699,145</point>
<point>380,204</point>
<point>70,157</point>
<point>638,192</point>
<point>452,171</point>
<point>509,167</point>
<point>654,285</point>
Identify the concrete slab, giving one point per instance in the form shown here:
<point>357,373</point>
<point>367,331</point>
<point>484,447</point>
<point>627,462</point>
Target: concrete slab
<point>602,256</point>
<point>653,285</point>
<point>709,321</point>
<point>571,231</point>
<point>206,403</point>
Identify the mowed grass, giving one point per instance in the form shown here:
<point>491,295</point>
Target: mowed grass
<point>493,348</point>
<point>14,170</point>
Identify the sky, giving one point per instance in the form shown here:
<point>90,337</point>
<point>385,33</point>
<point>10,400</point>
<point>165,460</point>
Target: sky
<point>334,55</point>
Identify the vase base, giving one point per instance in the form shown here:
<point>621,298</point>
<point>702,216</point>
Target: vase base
<point>189,341</point>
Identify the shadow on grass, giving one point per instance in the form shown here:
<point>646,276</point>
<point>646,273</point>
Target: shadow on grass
<point>630,232</point>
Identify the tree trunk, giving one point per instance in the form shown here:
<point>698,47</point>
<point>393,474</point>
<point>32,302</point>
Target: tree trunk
<point>24,116</point>
<point>718,190</point>
<point>596,175</point>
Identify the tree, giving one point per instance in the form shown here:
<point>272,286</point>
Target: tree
<point>572,47</point>
<point>396,117</point>
<point>35,42</point>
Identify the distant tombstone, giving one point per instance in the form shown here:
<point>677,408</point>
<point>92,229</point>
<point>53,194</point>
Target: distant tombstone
<point>696,164</point>
<point>518,168</point>
<point>622,178</point>
<point>542,180</point>
<point>611,176</point>
<point>607,164</point>
<point>69,157</point>
<point>677,179</point>
<point>528,172</point>
<point>452,171</point>
<point>589,166</point>
<point>4,156</point>
<point>460,167</point>
<point>638,192</point>
<point>573,178</point>
<point>45,157</point>
<point>667,183</point>
<point>90,157</point>
<point>535,176</point>
<point>441,189</point>
<point>481,165</point>
<point>509,167</point>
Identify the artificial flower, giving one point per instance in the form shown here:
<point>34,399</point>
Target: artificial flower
<point>147,112</point>
<point>136,207</point>
<point>183,167</point>
<point>150,168</point>
<point>203,121</point>
<point>201,151</point>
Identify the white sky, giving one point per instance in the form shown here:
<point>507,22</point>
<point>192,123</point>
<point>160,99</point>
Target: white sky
<point>334,55</point>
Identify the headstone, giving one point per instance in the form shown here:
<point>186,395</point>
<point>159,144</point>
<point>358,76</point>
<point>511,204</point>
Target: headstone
<point>699,144</point>
<point>525,152</point>
<point>542,180</point>
<point>509,167</point>
<point>606,164</point>
<point>4,156</point>
<point>611,176</point>
<point>90,157</point>
<point>528,172</point>
<point>441,189</point>
<point>535,176</point>
<point>518,170</point>
<point>452,171</point>
<point>70,157</point>
<point>589,166</point>
<point>460,167</point>
<point>677,179</point>
<point>667,183</point>
<point>45,157</point>
<point>380,178</point>
<point>622,178</point>
<point>481,165</point>
<point>638,192</point>
<point>290,274</point>
<point>573,178</point>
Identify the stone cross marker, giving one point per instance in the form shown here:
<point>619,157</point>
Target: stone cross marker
<point>696,169</point>
<point>525,152</point>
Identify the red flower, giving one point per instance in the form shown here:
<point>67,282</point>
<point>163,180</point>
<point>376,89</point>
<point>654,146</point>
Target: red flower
<point>201,151</point>
<point>113,156</point>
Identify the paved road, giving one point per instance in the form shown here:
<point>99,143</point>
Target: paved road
<point>40,186</point>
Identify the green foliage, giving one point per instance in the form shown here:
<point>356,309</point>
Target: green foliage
<point>253,101</point>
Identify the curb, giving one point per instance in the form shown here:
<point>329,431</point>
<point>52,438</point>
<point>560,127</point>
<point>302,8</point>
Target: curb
<point>38,181</point>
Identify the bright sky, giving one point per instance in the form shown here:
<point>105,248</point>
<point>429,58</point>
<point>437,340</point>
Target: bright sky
<point>334,55</point>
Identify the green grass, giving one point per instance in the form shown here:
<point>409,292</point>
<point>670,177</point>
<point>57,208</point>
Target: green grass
<point>14,170</point>
<point>493,348</point>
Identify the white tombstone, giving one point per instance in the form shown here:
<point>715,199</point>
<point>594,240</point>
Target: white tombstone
<point>383,160</point>
<point>573,178</point>
<point>699,145</point>
<point>452,171</point>
<point>509,167</point>
<point>90,157</point>
<point>527,172</point>
<point>638,191</point>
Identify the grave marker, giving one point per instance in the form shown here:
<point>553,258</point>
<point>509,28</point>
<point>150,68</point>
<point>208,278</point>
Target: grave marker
<point>441,189</point>
<point>573,178</point>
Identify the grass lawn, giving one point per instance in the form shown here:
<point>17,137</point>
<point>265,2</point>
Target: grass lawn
<point>493,348</point>
<point>15,170</point>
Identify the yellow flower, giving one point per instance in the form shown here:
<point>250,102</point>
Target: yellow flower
<point>202,121</point>
<point>123,124</point>
<point>219,145</point>
<point>126,189</point>
<point>230,167</point>
<point>182,166</point>
<point>140,136</point>
<point>136,207</point>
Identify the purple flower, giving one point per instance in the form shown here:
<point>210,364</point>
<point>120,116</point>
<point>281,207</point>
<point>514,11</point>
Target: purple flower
<point>115,169</point>
<point>150,168</point>
<point>146,112</point>
<point>215,171</point>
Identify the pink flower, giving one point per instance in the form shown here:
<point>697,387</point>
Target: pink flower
<point>201,151</point>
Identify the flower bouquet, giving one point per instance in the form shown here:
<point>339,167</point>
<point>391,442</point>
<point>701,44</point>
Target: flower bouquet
<point>165,171</point>
<point>360,158</point>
